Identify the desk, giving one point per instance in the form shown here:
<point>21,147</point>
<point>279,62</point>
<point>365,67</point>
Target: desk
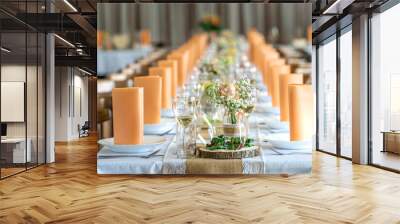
<point>13,150</point>
<point>391,141</point>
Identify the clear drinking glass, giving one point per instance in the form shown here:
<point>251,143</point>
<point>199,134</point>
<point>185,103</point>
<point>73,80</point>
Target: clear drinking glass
<point>184,115</point>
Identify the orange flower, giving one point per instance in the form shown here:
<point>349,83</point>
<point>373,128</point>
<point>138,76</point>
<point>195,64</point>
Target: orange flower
<point>215,20</point>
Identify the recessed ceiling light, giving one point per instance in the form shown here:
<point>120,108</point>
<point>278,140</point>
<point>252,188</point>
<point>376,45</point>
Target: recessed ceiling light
<point>70,5</point>
<point>84,71</point>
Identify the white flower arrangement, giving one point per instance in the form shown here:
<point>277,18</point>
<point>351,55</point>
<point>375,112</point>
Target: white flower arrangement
<point>234,97</point>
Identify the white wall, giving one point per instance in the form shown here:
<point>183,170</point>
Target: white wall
<point>71,94</point>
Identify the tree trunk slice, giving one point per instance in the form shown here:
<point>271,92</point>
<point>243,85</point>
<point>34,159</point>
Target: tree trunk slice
<point>203,152</point>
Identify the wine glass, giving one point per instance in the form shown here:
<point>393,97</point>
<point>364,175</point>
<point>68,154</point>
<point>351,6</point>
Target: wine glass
<point>184,115</point>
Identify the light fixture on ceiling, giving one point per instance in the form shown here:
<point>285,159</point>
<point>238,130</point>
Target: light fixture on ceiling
<point>64,40</point>
<point>70,5</point>
<point>84,71</point>
<point>5,50</point>
<point>337,7</point>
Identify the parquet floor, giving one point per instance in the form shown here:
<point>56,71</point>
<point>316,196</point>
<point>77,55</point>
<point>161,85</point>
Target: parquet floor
<point>70,191</point>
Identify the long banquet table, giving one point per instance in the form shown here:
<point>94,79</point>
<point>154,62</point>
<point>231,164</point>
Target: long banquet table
<point>115,60</point>
<point>169,159</point>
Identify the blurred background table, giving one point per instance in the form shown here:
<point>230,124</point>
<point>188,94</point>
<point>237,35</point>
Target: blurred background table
<point>110,61</point>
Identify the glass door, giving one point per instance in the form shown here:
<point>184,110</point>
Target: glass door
<point>327,96</point>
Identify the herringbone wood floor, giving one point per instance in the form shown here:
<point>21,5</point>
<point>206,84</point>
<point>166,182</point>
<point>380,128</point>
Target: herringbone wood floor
<point>70,191</point>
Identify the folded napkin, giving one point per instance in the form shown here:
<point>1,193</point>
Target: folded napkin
<point>165,75</point>
<point>107,152</point>
<point>183,60</point>
<point>277,71</point>
<point>301,112</point>
<point>267,146</point>
<point>275,126</point>
<point>284,82</point>
<point>152,97</point>
<point>156,151</point>
<point>128,117</point>
<point>275,61</point>
<point>173,66</point>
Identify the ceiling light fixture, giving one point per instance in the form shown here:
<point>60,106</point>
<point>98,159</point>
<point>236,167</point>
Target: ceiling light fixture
<point>70,5</point>
<point>5,50</point>
<point>337,7</point>
<point>64,40</point>
<point>84,71</point>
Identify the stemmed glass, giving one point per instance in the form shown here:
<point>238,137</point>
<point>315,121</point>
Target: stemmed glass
<point>184,115</point>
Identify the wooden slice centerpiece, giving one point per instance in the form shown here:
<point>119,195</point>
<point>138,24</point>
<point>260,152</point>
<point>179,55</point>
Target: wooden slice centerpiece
<point>245,152</point>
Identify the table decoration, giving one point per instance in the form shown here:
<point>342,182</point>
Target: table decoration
<point>236,100</point>
<point>224,147</point>
<point>210,24</point>
<point>121,41</point>
<point>223,115</point>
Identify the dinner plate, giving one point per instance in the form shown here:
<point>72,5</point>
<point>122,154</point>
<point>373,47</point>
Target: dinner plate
<point>167,113</point>
<point>264,98</point>
<point>150,142</point>
<point>282,141</point>
<point>159,129</point>
<point>274,125</point>
<point>265,108</point>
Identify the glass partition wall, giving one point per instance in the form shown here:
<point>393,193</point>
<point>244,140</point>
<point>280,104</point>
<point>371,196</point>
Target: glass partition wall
<point>385,89</point>
<point>345,65</point>
<point>334,86</point>
<point>22,77</point>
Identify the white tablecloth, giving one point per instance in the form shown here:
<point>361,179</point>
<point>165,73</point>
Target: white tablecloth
<point>271,162</point>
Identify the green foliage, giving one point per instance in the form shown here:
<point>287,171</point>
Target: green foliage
<point>229,143</point>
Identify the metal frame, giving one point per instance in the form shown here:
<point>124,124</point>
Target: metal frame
<point>339,32</point>
<point>387,5</point>
<point>36,164</point>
